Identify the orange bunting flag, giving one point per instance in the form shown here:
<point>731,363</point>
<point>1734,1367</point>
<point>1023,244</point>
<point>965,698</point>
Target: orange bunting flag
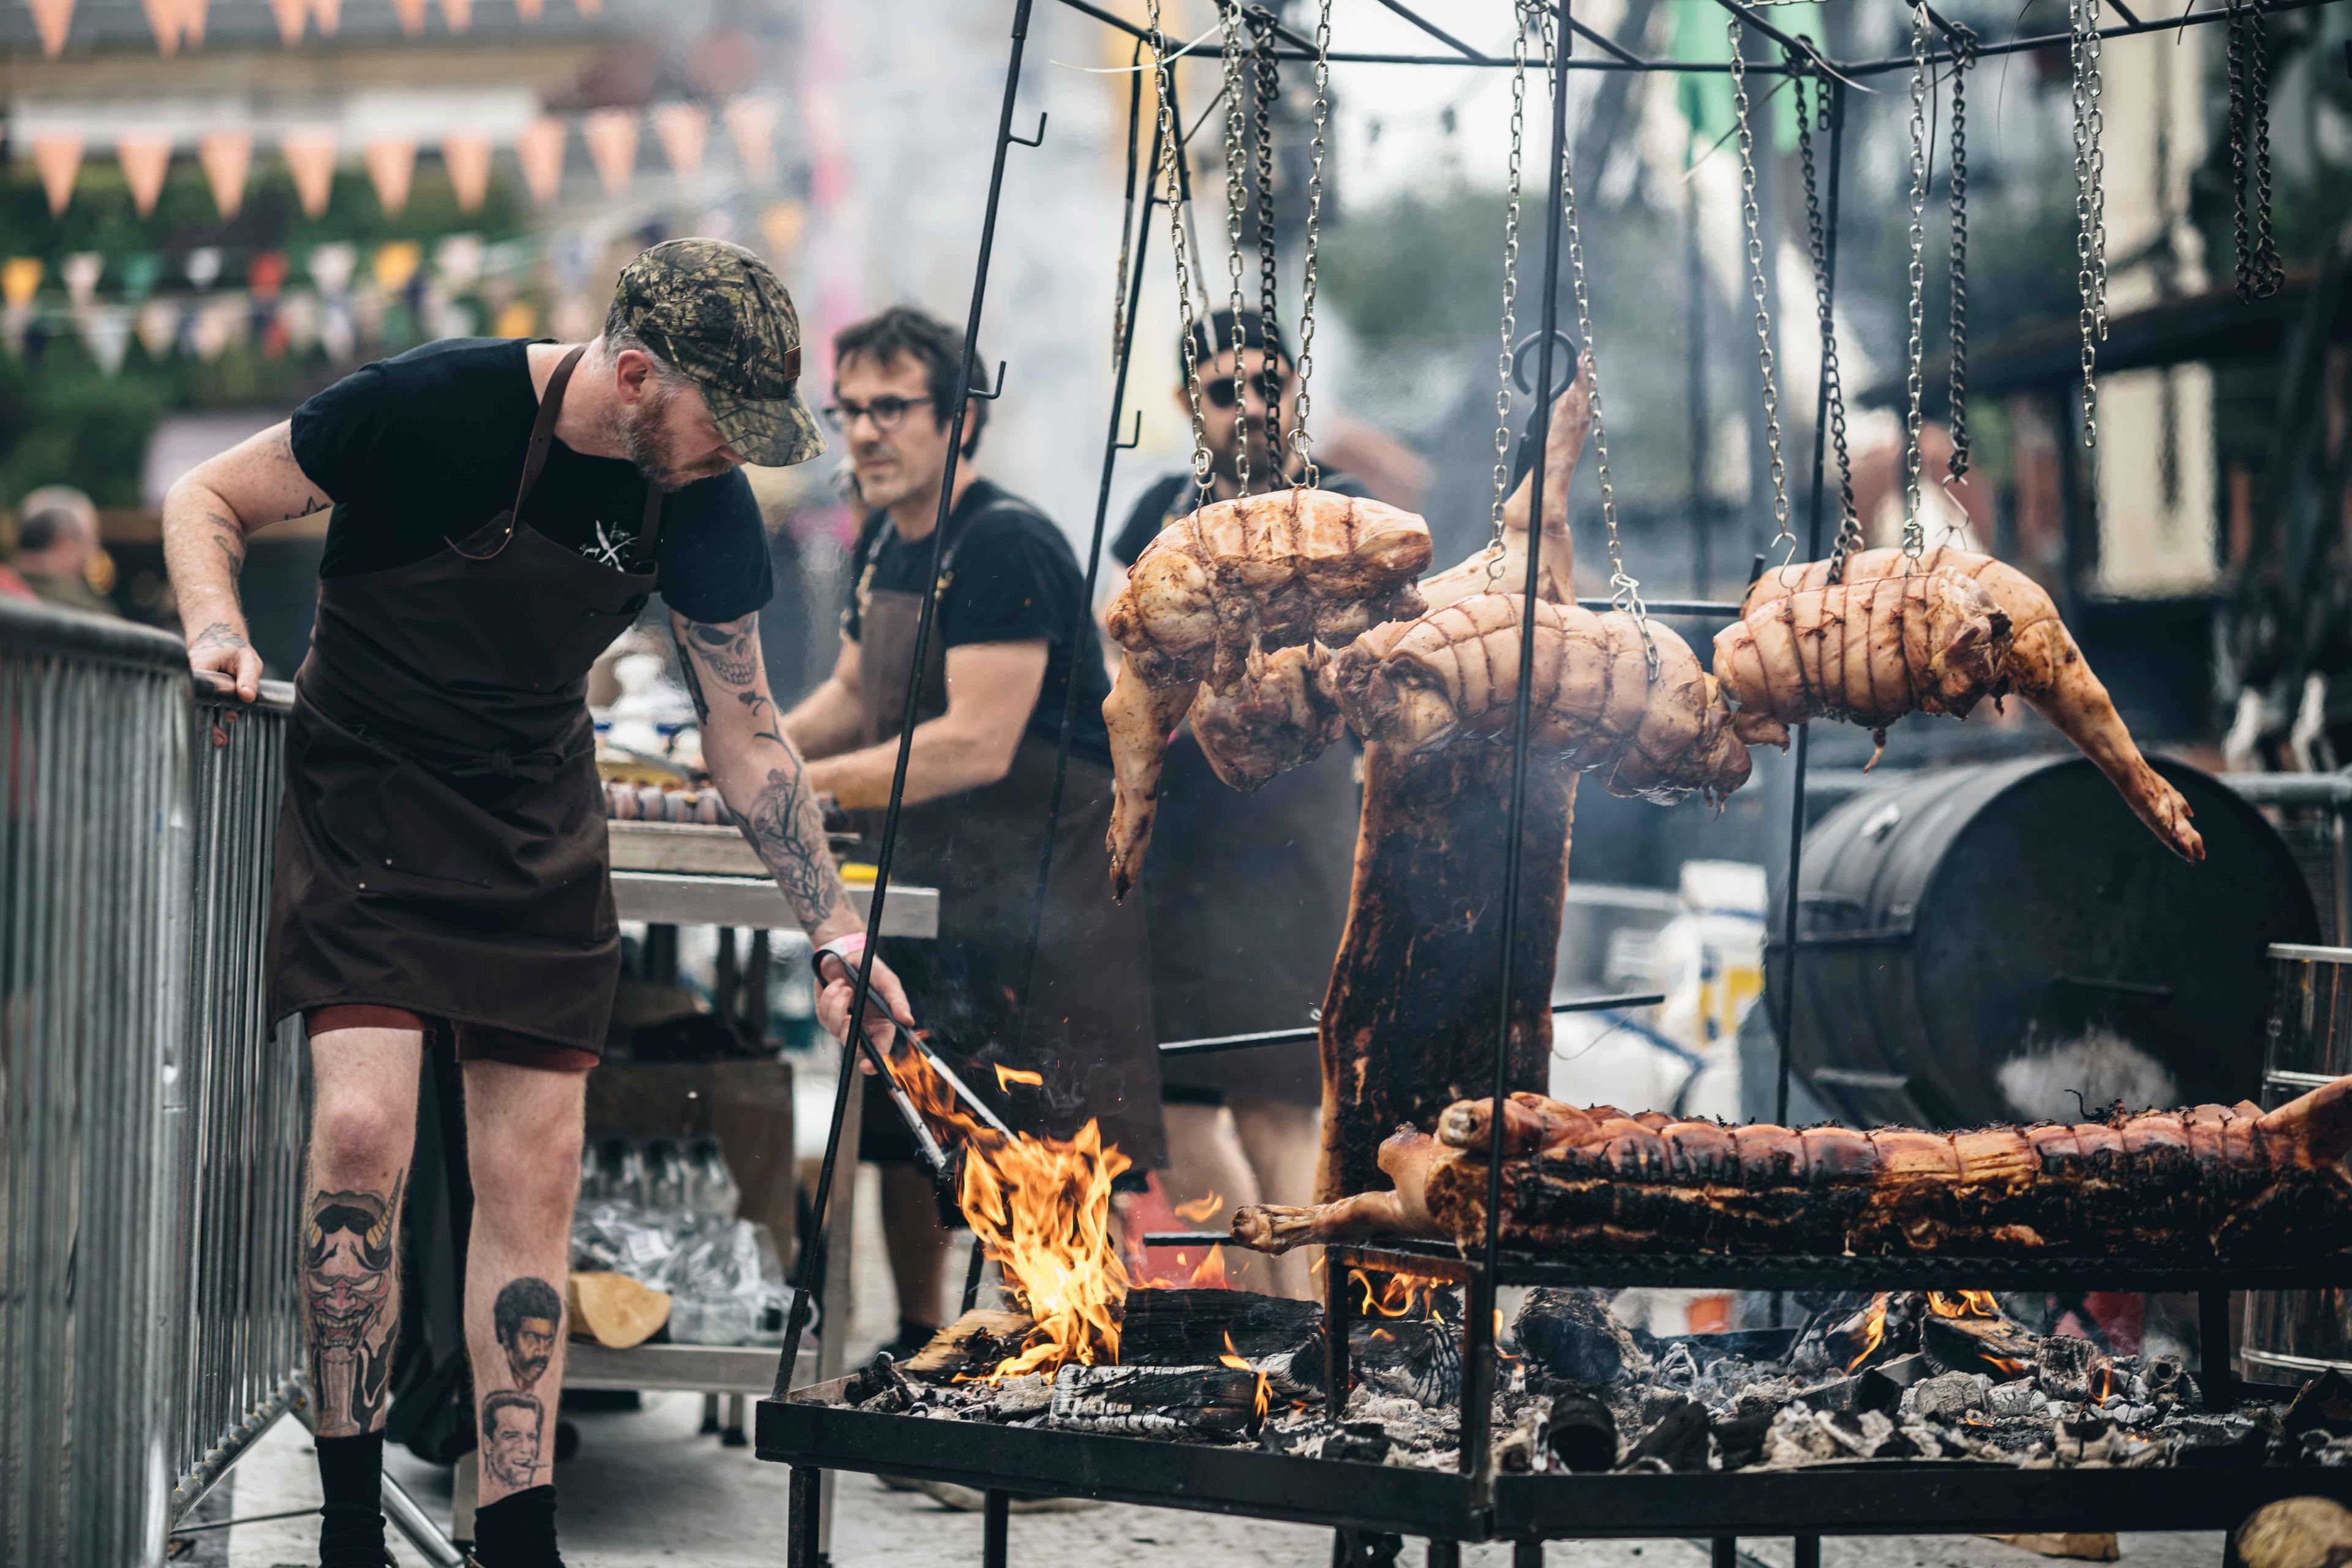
<point>751,120</point>
<point>58,159</point>
<point>459,14</point>
<point>163,18</point>
<point>466,156</point>
<point>225,156</point>
<point>192,21</point>
<point>310,159</point>
<point>591,7</point>
<point>145,161</point>
<point>530,10</point>
<point>411,14</point>
<point>52,19</point>
<point>20,276</point>
<point>612,138</point>
<point>395,263</point>
<point>540,149</point>
<point>391,164</point>
<point>291,16</point>
<point>780,225</point>
<point>328,14</point>
<point>684,128</point>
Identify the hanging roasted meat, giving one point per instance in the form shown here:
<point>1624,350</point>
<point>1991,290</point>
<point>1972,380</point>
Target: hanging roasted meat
<point>2210,1182</point>
<point>1485,573</point>
<point>2042,664</point>
<point>1210,610</point>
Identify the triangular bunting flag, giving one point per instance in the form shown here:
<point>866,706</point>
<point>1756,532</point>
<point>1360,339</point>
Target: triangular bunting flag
<point>107,329</point>
<point>328,14</point>
<point>330,267</point>
<point>158,327</point>
<point>216,325</point>
<point>310,159</point>
<point>781,223</point>
<point>540,149</point>
<point>265,274</point>
<point>458,14</point>
<point>58,159</point>
<point>145,161</point>
<point>684,128</point>
<point>459,260</point>
<point>411,14</point>
<point>226,156</point>
<point>192,21</point>
<point>299,315</point>
<point>82,271</point>
<point>612,138</point>
<point>336,334</point>
<point>591,7</point>
<point>52,19</point>
<point>752,122</point>
<point>163,18</point>
<point>138,270</point>
<point>395,263</point>
<point>203,264</point>
<point>466,156</point>
<point>20,276</point>
<point>290,16</point>
<point>391,164</point>
<point>530,10</point>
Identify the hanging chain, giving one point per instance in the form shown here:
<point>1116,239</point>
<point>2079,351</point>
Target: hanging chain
<point>1236,205</point>
<point>1171,171</point>
<point>1269,88</point>
<point>1756,287</point>
<point>1299,441</point>
<point>1849,535</point>
<point>2236,34</point>
<point>2090,201</point>
<point>2260,274</point>
<point>1624,589</point>
<point>1964,55</point>
<point>1915,387</point>
<point>1519,9</point>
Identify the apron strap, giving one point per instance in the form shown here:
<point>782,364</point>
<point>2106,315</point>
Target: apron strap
<point>543,436</point>
<point>649,530</point>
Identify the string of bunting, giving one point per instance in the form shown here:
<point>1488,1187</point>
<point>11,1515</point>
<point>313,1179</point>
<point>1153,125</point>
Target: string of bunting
<point>179,23</point>
<point>311,153</point>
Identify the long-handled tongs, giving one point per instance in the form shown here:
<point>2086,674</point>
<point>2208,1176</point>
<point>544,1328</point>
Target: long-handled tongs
<point>933,1154</point>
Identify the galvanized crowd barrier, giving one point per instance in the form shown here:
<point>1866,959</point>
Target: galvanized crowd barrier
<point>151,1124</point>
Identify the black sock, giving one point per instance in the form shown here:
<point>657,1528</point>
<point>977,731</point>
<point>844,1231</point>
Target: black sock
<point>518,1531</point>
<point>351,1472</point>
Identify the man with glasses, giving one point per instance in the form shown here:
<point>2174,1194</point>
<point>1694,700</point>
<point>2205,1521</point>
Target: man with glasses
<point>1247,894</point>
<point>1010,637</point>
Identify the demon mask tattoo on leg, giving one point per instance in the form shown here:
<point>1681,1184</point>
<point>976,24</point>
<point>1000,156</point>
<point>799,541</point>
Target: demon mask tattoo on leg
<point>347,1252</point>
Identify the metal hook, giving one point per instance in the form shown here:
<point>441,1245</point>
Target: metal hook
<point>1037,141</point>
<point>998,392</point>
<point>1132,442</point>
<point>1519,355</point>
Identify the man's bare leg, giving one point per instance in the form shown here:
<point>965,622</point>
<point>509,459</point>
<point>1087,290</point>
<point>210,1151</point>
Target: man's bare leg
<point>917,1244</point>
<point>522,1143</point>
<point>1282,1141</point>
<point>363,1130</point>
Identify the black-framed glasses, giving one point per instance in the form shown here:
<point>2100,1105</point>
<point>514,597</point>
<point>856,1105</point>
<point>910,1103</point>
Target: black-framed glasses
<point>886,411</point>
<point>1219,390</point>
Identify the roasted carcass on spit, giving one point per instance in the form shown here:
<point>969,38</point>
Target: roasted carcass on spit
<point>2039,660</point>
<point>1507,572</point>
<point>1454,674</point>
<point>2213,1181</point>
<point>1213,610</point>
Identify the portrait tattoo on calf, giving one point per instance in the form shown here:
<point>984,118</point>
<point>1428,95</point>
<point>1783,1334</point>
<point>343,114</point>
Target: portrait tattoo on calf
<point>350,1244</point>
<point>511,1439</point>
<point>528,1318</point>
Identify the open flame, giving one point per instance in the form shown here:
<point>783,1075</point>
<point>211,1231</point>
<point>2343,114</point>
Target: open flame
<point>1259,1401</point>
<point>1040,1206</point>
<point>1200,1209</point>
<point>1007,1076</point>
<point>1965,1304</point>
<point>1399,1295</point>
<point>1873,1330</point>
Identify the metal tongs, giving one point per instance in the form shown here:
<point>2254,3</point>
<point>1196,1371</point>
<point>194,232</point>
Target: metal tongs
<point>926,1142</point>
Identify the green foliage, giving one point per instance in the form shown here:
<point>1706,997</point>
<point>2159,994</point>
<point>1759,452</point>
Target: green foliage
<point>1423,269</point>
<point>63,422</point>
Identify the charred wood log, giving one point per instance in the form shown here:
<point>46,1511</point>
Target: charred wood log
<point>1194,1328</point>
<point>1582,1433</point>
<point>1571,1334</point>
<point>1158,1402</point>
<point>1681,1440</point>
<point>971,1345</point>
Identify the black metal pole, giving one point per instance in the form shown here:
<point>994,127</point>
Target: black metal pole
<point>1082,617</point>
<point>1785,1007</point>
<point>813,1246</point>
<point>1478,1358</point>
<point>1695,290</point>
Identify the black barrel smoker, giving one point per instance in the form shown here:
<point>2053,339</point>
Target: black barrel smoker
<point>1985,943</point>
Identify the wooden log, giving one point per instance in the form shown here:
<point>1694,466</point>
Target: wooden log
<point>1159,1402</point>
<point>1194,1328</point>
<point>1582,1433</point>
<point>1409,1021</point>
<point>2299,1532</point>
<point>615,1310</point>
<point>974,1343</point>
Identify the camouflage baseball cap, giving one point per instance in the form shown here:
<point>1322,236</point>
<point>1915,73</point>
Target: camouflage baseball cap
<point>717,313</point>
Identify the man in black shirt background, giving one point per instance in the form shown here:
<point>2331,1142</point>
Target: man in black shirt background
<point>1247,893</point>
<point>1011,634</point>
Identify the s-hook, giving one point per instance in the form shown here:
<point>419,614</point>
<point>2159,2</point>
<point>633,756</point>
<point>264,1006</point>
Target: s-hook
<point>1037,141</point>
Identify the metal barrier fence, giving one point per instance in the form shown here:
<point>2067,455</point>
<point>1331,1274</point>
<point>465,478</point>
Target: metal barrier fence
<point>244,1110</point>
<point>95,863</point>
<point>150,1124</point>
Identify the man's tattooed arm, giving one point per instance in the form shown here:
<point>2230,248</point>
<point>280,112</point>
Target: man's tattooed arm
<point>760,772</point>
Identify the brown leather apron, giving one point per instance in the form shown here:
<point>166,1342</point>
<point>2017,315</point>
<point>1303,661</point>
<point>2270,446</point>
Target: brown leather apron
<point>441,848</point>
<point>1088,1027</point>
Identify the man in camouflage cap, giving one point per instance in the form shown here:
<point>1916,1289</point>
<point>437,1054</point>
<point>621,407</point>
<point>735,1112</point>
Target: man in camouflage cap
<point>501,511</point>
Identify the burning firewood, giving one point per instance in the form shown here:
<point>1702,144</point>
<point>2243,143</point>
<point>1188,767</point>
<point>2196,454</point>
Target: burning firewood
<point>972,1346</point>
<point>1189,1328</point>
<point>1161,1401</point>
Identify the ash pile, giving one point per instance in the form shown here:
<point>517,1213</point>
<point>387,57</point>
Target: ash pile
<point>1902,1376</point>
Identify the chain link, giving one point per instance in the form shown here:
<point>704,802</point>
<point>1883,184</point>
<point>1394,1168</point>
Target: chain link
<point>1756,287</point>
<point>1519,10</point>
<point>1964,55</point>
<point>1849,535</point>
<point>2083,47</point>
<point>1236,60</point>
<point>1915,387</point>
<point>1299,441</point>
<point>2260,274</point>
<point>1170,169</point>
<point>1269,88</point>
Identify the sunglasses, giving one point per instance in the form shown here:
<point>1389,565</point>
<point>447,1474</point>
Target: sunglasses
<point>1220,392</point>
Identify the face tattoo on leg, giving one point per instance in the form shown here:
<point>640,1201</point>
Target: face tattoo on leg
<point>510,1424</point>
<point>526,1317</point>
<point>348,1247</point>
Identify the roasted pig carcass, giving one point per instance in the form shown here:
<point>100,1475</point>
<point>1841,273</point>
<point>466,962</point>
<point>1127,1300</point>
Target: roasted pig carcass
<point>2210,1182</point>
<point>1866,651</point>
<point>2042,664</point>
<point>1277,716</point>
<point>1415,685</point>
<point>1507,572</point>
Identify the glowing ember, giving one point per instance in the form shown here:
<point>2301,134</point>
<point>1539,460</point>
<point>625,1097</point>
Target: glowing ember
<point>1873,1330</point>
<point>1195,1212</point>
<point>1007,1076</point>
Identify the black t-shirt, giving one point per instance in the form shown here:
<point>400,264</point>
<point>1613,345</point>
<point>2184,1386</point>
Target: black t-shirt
<point>1170,497</point>
<point>430,446</point>
<point>1012,577</point>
